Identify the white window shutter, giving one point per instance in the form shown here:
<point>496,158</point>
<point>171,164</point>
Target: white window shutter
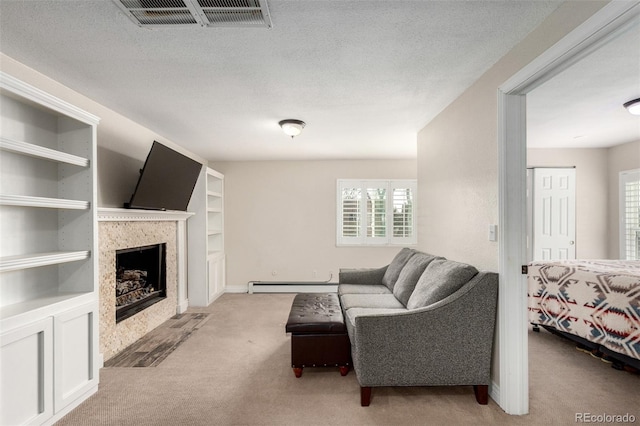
<point>630,215</point>
<point>376,212</point>
<point>375,215</point>
<point>349,201</point>
<point>403,212</point>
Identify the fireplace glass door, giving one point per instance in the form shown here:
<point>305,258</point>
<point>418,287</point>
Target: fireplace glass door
<point>140,279</point>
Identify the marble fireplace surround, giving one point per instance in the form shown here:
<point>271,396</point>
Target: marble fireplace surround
<point>125,228</point>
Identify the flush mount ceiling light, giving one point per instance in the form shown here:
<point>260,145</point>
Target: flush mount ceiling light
<point>292,127</point>
<point>633,106</point>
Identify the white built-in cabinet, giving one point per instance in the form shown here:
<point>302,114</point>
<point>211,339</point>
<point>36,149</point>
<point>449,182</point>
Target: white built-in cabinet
<point>48,255</point>
<point>206,279</point>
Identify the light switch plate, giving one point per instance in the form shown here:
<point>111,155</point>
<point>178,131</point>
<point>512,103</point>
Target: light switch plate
<point>493,232</point>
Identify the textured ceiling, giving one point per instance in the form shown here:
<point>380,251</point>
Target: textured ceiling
<point>366,76</point>
<point>582,106</point>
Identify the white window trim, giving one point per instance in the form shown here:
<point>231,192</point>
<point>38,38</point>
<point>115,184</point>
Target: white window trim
<point>363,240</point>
<point>625,177</point>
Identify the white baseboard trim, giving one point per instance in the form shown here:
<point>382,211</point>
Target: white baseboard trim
<point>494,392</point>
<point>182,306</point>
<point>236,289</point>
<point>216,296</point>
<point>258,287</point>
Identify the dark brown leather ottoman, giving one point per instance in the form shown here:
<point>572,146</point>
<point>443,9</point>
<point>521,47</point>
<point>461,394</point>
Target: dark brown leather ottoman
<point>318,333</point>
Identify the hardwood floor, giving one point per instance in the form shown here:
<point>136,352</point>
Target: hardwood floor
<point>156,345</point>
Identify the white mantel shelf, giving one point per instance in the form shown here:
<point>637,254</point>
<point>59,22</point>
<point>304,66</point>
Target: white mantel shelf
<point>114,214</point>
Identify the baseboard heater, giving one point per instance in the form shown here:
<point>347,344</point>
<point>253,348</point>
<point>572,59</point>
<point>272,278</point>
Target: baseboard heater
<point>293,286</point>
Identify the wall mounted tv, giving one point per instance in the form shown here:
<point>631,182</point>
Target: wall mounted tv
<point>166,181</point>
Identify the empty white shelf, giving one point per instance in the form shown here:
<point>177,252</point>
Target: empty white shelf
<point>38,151</point>
<point>33,304</point>
<point>52,203</point>
<point>14,263</point>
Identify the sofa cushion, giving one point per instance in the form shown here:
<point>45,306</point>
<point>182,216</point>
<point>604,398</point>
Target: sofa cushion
<point>361,275</point>
<point>409,276</point>
<point>362,289</point>
<point>395,267</point>
<point>440,279</point>
<point>353,313</point>
<point>349,301</point>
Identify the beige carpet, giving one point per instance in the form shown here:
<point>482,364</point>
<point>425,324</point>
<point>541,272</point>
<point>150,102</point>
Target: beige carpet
<point>235,370</point>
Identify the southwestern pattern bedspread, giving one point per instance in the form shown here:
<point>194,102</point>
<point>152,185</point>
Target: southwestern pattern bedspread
<point>597,300</point>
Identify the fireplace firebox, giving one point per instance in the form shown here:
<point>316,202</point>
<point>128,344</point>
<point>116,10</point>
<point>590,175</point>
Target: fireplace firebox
<point>140,279</point>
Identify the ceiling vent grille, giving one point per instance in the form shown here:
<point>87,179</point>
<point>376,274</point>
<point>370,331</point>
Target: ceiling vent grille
<point>203,13</point>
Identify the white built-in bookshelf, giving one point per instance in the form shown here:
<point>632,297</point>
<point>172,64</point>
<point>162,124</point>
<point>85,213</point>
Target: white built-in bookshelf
<point>215,212</point>
<point>206,239</point>
<point>48,255</point>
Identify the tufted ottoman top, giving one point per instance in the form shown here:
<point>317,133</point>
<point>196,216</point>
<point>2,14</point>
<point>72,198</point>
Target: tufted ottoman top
<point>316,313</point>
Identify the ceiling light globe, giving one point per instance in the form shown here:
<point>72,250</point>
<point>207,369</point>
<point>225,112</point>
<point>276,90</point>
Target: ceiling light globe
<point>292,127</point>
<point>633,106</point>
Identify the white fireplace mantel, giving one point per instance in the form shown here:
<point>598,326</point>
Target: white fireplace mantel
<point>112,214</point>
<point>129,215</point>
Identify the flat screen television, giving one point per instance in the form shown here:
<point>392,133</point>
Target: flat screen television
<point>166,181</point>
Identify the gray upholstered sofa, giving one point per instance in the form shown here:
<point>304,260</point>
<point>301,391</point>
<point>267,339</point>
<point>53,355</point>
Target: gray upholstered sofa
<point>422,320</point>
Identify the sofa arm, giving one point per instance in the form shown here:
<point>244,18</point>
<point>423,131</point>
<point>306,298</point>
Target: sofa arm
<point>447,343</point>
<point>371,276</point>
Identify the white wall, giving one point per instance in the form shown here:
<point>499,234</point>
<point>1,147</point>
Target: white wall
<point>123,145</point>
<point>621,158</point>
<point>281,216</point>
<point>592,194</point>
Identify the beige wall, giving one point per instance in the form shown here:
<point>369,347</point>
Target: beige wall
<point>458,156</point>
<point>592,194</point>
<point>281,216</point>
<point>123,145</point>
<point>621,158</point>
<point>597,192</point>
<point>458,152</point>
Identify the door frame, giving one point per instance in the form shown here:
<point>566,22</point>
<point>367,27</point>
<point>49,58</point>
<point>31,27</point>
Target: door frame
<point>512,391</point>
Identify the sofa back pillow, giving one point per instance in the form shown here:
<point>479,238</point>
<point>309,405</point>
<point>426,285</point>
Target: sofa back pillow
<point>410,275</point>
<point>393,271</point>
<point>440,279</point>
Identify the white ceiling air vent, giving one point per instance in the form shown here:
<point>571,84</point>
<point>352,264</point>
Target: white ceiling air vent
<point>204,13</point>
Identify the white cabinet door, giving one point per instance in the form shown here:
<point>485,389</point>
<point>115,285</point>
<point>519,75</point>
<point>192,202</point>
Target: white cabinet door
<point>215,277</point>
<point>75,346</point>
<point>26,362</point>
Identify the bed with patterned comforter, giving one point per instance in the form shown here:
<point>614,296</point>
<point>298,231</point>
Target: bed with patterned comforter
<point>595,300</point>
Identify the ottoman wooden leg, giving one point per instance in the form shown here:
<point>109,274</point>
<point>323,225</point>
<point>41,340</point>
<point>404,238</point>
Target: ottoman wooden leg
<point>344,370</point>
<point>297,371</point>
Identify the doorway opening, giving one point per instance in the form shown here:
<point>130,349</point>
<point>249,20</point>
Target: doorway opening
<point>512,318</point>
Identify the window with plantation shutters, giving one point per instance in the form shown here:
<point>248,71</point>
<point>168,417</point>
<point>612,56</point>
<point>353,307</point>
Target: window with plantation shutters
<point>376,212</point>
<point>630,215</point>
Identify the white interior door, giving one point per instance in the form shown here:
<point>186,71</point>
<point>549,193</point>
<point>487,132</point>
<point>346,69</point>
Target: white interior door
<point>554,213</point>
